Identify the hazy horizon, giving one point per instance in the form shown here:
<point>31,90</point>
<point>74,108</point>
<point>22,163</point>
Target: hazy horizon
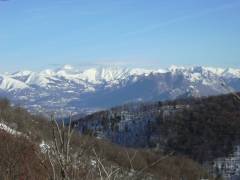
<point>128,66</point>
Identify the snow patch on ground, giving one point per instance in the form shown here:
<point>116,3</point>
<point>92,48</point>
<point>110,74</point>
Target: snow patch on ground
<point>9,130</point>
<point>44,147</point>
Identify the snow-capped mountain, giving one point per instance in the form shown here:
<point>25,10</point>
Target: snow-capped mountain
<point>79,90</point>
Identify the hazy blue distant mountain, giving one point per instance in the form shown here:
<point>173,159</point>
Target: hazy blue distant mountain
<point>83,90</point>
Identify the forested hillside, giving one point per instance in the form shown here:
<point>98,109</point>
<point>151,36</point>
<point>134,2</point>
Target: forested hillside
<point>206,130</point>
<point>201,128</point>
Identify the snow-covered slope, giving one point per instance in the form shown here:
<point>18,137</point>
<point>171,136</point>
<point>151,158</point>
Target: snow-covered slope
<point>76,89</point>
<point>10,84</point>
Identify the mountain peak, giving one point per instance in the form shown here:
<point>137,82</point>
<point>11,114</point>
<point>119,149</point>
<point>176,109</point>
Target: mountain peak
<point>174,68</point>
<point>22,73</point>
<point>67,67</point>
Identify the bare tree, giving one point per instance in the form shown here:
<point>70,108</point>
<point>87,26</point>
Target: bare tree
<point>131,158</point>
<point>59,154</point>
<point>105,172</point>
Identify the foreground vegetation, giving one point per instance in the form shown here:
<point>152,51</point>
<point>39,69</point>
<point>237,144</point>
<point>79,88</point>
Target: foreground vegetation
<point>41,149</point>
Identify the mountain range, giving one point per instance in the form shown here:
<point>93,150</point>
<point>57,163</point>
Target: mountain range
<point>77,90</point>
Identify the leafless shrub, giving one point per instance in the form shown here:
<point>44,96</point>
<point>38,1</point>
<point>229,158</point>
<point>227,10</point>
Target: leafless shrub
<point>18,160</point>
<point>63,160</point>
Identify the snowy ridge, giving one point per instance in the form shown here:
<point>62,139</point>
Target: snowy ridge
<point>10,84</point>
<point>108,74</point>
<point>76,89</point>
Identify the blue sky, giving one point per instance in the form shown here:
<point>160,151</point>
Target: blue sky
<point>153,33</point>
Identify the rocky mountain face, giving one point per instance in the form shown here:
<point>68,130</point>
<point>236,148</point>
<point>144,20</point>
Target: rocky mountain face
<point>75,90</point>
